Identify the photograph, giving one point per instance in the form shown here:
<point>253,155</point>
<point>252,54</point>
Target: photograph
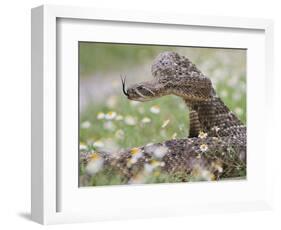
<point>141,113</point>
<point>161,114</point>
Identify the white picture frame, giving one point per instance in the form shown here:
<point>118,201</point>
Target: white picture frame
<point>55,199</point>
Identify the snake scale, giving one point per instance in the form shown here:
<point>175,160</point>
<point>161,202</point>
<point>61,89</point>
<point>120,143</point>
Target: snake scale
<point>217,138</point>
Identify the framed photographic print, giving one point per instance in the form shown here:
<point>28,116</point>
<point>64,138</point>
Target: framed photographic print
<point>139,115</point>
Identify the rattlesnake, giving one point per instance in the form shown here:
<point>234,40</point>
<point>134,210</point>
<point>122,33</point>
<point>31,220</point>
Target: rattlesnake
<point>217,138</point>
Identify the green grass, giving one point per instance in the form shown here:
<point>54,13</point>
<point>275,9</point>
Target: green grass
<point>171,108</point>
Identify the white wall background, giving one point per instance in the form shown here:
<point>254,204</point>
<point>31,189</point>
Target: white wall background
<point>15,112</point>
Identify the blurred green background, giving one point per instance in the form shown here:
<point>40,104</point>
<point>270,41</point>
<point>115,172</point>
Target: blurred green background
<point>95,57</point>
<point>110,122</point>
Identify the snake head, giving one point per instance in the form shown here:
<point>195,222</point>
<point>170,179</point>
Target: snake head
<point>144,91</point>
<point>173,74</point>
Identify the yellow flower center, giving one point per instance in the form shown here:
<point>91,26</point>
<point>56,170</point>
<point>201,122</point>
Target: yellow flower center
<point>134,151</point>
<point>154,163</point>
<point>202,134</point>
<point>94,156</point>
<point>204,147</point>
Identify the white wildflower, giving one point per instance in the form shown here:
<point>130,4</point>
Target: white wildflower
<point>129,120</point>
<point>216,128</point>
<point>98,144</point>
<point>100,116</point>
<point>82,146</point>
<point>85,125</point>
<point>203,147</point>
<point>95,164</point>
<point>165,123</point>
<point>136,154</point>
<point>160,152</point>
<point>155,109</point>
<point>174,135</point>
<point>157,151</point>
<point>110,115</point>
<point>146,120</point>
<point>202,135</point>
